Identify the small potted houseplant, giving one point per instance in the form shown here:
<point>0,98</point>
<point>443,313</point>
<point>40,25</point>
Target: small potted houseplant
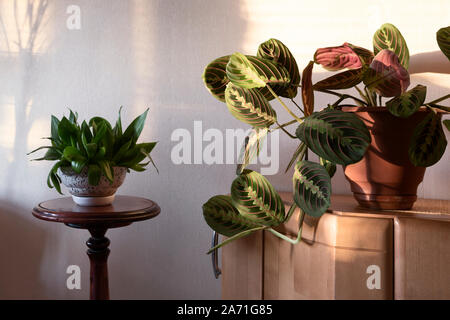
<point>93,158</point>
<point>248,83</point>
<point>407,134</point>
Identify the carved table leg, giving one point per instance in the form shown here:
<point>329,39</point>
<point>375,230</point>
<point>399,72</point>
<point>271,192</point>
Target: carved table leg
<point>98,255</point>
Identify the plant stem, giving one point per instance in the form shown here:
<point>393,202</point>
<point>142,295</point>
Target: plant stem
<point>300,228</point>
<point>437,106</point>
<point>370,97</point>
<point>285,131</point>
<point>299,108</point>
<point>285,106</point>
<point>343,95</point>
<point>286,124</point>
<point>440,99</point>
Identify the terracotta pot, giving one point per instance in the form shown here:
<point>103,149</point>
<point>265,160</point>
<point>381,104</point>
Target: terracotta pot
<point>385,178</point>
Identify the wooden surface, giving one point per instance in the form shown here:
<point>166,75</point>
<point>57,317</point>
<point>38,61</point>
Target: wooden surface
<point>243,262</point>
<point>123,211</point>
<point>411,248</point>
<point>422,259</point>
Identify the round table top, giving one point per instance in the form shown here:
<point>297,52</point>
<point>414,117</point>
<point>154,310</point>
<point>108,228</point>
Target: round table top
<point>123,211</point>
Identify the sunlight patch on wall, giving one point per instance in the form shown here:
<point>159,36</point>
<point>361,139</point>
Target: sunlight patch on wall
<point>22,25</point>
<point>143,47</point>
<point>38,130</point>
<point>305,25</point>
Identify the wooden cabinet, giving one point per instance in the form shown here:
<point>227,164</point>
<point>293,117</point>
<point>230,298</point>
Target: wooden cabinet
<point>349,253</point>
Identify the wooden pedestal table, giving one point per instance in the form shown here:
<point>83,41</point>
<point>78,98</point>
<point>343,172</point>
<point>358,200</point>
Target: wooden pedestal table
<point>124,211</point>
<point>349,253</point>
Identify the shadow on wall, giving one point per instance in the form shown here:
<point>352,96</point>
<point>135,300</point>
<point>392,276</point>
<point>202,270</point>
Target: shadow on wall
<point>21,24</point>
<point>434,61</point>
<point>21,247</point>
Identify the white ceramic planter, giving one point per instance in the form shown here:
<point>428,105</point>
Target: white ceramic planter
<point>85,194</point>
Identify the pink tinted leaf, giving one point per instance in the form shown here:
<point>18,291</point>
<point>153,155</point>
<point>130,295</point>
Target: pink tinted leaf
<point>386,75</point>
<point>341,57</point>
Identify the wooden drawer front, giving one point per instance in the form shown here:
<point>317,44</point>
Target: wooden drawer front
<point>332,261</point>
<point>242,268</point>
<point>422,259</point>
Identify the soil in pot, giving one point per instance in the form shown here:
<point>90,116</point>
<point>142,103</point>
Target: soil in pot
<point>385,178</point>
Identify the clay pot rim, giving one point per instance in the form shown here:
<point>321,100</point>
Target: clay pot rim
<point>382,109</point>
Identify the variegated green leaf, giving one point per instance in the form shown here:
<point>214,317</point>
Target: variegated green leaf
<point>242,73</point>
<point>307,89</point>
<point>253,72</point>
<point>428,142</point>
<point>339,137</point>
<point>256,199</point>
<point>215,77</point>
<point>389,37</point>
<point>251,148</point>
<point>342,80</point>
<point>408,103</point>
<point>277,52</point>
<point>249,106</point>
<point>443,40</point>
<point>222,216</point>
<point>312,188</point>
<point>329,166</point>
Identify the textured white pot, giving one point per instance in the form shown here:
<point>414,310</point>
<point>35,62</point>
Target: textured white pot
<point>85,194</point>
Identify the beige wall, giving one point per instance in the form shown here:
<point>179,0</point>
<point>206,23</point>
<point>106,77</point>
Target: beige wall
<point>152,53</point>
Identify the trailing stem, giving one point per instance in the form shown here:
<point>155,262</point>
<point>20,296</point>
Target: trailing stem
<point>284,106</point>
<point>300,227</point>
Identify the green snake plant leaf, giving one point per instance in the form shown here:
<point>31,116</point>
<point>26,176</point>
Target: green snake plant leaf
<point>339,137</point>
<point>54,130</point>
<point>408,103</point>
<point>134,129</point>
<point>251,148</point>
<point>277,52</point>
<point>307,89</point>
<point>443,40</point>
<point>256,199</point>
<point>312,188</point>
<point>329,166</point>
<point>71,153</point>
<point>389,37</point>
<point>223,217</point>
<point>106,170</point>
<point>249,106</point>
<point>94,174</point>
<point>67,131</point>
<point>53,181</point>
<point>428,142</point>
<point>342,80</point>
<point>77,166</point>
